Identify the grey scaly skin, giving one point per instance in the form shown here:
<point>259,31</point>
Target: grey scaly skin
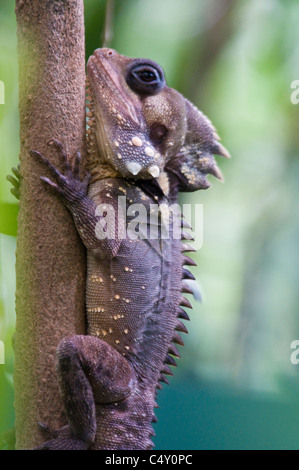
<point>146,143</point>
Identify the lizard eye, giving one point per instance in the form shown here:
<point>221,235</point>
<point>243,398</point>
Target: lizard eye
<point>146,78</point>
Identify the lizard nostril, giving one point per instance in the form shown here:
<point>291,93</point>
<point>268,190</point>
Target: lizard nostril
<point>110,53</point>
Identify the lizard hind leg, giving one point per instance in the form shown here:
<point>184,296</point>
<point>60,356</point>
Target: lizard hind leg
<point>90,371</point>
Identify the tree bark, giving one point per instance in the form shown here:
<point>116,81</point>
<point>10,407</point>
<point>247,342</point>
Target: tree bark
<point>50,260</point>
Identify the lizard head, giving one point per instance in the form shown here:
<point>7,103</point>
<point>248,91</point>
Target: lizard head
<point>139,127</point>
<point>136,123</point>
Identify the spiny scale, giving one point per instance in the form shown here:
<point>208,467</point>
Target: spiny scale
<point>187,236</point>
<point>163,379</point>
<point>170,360</point>
<point>174,351</point>
<point>187,274</point>
<point>188,261</point>
<point>166,370</point>
<point>182,314</point>
<point>186,289</point>
<point>179,326</point>
<point>188,248</point>
<point>185,302</point>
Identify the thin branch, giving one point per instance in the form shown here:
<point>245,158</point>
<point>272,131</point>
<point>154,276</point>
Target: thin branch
<point>50,259</point>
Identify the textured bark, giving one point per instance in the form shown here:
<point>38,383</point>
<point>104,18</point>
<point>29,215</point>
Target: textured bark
<point>50,262</point>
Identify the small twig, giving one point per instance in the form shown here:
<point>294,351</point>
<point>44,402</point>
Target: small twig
<point>108,28</point>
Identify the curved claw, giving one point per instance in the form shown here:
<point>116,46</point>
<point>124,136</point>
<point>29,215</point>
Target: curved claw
<point>45,161</point>
<point>67,183</point>
<point>60,439</point>
<point>50,183</point>
<point>64,443</point>
<point>47,430</point>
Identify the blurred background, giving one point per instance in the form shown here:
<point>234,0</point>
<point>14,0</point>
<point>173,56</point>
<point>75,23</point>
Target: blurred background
<point>235,387</point>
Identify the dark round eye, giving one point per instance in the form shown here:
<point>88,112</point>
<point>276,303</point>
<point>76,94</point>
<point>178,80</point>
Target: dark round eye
<point>146,78</point>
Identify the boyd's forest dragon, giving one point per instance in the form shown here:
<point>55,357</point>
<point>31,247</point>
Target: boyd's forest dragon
<point>146,142</point>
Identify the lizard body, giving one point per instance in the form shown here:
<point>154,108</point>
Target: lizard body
<point>146,143</point>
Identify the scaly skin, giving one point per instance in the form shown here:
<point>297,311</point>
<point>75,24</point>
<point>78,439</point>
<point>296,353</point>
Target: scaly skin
<point>146,143</point>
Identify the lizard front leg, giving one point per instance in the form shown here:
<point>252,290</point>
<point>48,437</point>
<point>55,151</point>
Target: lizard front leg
<point>89,371</point>
<point>73,192</point>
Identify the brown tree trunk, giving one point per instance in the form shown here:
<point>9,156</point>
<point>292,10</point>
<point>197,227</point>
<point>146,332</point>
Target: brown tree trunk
<point>50,262</point>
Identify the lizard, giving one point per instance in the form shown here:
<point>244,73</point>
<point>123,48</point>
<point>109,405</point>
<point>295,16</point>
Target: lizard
<point>146,143</point>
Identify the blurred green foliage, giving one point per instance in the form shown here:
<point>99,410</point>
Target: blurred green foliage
<point>235,386</point>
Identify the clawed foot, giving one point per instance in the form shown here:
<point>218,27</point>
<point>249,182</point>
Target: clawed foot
<point>60,439</point>
<point>15,181</point>
<point>62,443</point>
<point>68,183</point>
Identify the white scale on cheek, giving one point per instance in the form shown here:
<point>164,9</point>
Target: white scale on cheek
<point>133,166</point>
<point>150,152</point>
<point>137,141</point>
